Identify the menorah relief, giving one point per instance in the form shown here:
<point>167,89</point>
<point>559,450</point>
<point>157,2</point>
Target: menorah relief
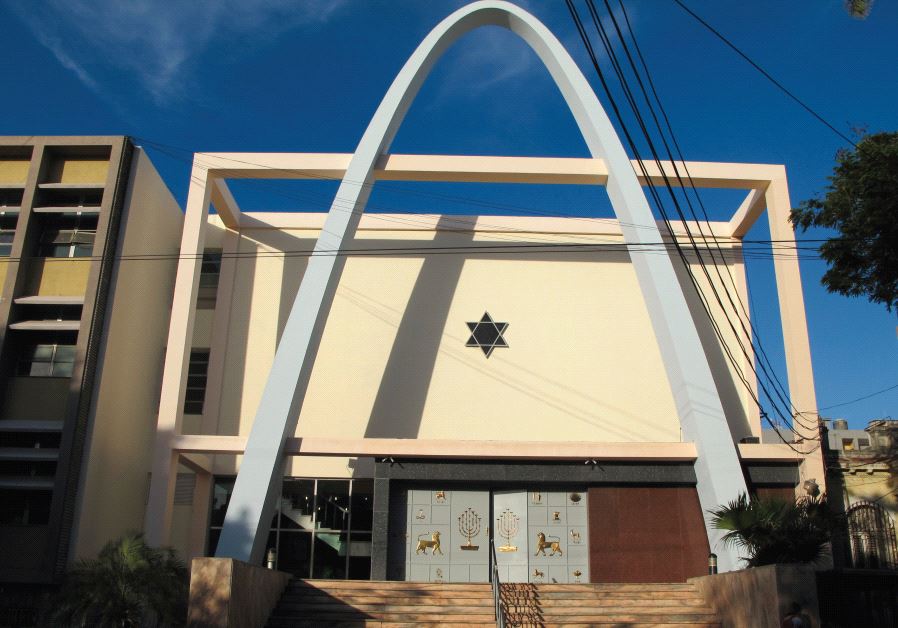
<point>469,527</point>
<point>507,525</point>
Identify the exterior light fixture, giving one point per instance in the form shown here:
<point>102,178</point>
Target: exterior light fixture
<point>712,564</point>
<point>271,558</point>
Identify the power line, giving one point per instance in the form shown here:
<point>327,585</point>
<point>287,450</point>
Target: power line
<point>743,317</point>
<point>873,394</point>
<point>764,72</point>
<point>606,40</point>
<point>461,249</point>
<point>652,191</point>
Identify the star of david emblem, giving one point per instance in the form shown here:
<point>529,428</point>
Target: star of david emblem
<point>487,334</point>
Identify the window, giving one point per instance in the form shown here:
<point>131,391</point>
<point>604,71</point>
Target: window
<point>6,236</point>
<point>24,507</point>
<point>67,243</point>
<point>196,381</point>
<point>7,233</point>
<point>321,528</point>
<point>863,443</point>
<point>209,273</point>
<point>47,360</point>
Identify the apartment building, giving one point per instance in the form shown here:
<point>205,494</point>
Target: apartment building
<point>861,467</point>
<point>88,239</point>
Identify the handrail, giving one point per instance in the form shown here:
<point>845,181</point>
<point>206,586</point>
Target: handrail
<point>497,592</point>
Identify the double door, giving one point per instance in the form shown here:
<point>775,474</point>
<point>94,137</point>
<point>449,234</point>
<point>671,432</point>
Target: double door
<point>540,536</point>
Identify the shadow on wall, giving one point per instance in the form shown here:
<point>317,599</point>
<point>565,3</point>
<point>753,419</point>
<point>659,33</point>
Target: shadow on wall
<point>237,338</point>
<point>399,404</point>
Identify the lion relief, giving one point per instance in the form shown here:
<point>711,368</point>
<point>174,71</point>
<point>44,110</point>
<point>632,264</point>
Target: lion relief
<point>434,543</point>
<point>542,544</point>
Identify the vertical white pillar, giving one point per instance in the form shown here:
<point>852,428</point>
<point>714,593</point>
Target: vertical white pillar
<point>157,523</point>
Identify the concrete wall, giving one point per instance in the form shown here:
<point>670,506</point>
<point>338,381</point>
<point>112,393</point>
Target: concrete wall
<point>227,593</point>
<point>583,363</point>
<point>117,456</point>
<point>762,596</point>
<point>35,398</point>
<point>78,170</point>
<point>57,277</point>
<point>14,169</point>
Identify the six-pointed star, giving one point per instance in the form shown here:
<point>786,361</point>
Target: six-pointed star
<point>487,334</point>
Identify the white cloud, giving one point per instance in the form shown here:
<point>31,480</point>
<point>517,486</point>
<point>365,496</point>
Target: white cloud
<point>488,57</point>
<point>156,41</point>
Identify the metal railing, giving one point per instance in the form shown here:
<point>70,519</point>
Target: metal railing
<point>497,589</point>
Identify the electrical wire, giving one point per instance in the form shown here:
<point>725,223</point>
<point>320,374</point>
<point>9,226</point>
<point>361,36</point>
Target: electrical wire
<point>764,72</point>
<point>741,312</point>
<point>631,101</point>
<point>873,394</point>
<point>606,40</point>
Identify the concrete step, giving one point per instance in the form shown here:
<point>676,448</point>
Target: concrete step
<point>401,599</point>
<point>315,623</point>
<point>374,603</point>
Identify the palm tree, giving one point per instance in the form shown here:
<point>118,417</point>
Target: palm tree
<point>129,585</point>
<point>775,531</point>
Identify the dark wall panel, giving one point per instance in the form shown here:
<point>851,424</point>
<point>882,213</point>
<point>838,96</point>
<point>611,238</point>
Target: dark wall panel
<point>785,493</point>
<point>646,534</point>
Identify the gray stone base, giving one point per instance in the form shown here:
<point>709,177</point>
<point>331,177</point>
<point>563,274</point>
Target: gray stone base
<point>228,593</point>
<point>762,596</point>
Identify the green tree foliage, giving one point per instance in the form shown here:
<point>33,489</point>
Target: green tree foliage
<point>861,204</point>
<point>128,585</point>
<point>859,9</point>
<point>773,531</point>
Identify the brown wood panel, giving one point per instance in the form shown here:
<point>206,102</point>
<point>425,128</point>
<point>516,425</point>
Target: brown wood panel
<point>785,493</point>
<point>646,534</point>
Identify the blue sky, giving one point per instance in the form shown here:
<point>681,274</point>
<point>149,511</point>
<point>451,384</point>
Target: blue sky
<point>281,75</point>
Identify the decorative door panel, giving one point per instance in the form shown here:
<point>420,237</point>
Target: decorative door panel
<point>558,537</point>
<point>540,536</point>
<point>447,537</point>
<point>510,534</point>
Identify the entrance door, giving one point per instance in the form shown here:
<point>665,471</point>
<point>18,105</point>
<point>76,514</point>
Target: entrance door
<point>510,535</point>
<point>540,536</point>
<point>448,539</point>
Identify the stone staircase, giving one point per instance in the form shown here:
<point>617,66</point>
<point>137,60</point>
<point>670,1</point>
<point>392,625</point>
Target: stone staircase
<point>375,603</point>
<point>372,603</point>
<point>619,605</point>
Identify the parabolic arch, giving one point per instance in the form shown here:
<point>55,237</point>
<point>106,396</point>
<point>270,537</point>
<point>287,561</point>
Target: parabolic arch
<point>717,467</point>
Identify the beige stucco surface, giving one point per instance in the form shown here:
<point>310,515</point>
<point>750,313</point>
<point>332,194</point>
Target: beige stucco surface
<point>393,376</point>
<point>583,363</point>
<point>78,170</point>
<point>57,277</point>
<point>14,170</point>
<point>117,458</point>
<point>873,483</point>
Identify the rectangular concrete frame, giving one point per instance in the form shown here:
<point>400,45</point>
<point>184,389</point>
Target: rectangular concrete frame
<point>766,186</point>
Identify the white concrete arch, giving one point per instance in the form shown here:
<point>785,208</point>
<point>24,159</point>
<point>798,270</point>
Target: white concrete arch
<point>701,414</point>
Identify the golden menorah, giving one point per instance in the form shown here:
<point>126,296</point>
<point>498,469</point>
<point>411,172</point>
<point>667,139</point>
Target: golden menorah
<point>507,526</point>
<point>469,527</point>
